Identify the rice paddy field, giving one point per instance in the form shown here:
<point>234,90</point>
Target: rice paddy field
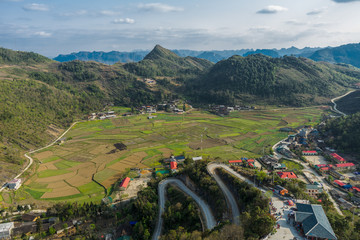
<point>65,172</point>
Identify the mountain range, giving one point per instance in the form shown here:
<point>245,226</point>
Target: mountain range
<point>213,56</point>
<point>39,96</point>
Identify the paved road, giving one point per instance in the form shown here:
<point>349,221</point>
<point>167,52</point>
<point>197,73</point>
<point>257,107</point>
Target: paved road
<point>205,209</point>
<point>31,161</point>
<point>231,202</point>
<point>337,98</point>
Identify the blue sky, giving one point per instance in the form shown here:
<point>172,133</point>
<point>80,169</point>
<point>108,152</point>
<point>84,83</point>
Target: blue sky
<point>51,27</point>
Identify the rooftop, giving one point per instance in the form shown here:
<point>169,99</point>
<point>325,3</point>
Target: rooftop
<point>338,157</point>
<point>314,221</point>
<point>235,161</point>
<point>287,175</point>
<point>125,182</point>
<point>344,165</point>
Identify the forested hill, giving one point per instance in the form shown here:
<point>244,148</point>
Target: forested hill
<point>343,133</point>
<point>163,62</point>
<point>258,78</point>
<point>17,57</point>
<point>349,54</point>
<point>350,103</point>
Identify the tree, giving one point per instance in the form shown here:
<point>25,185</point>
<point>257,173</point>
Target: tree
<point>52,231</point>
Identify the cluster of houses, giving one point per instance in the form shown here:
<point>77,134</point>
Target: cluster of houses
<point>174,106</point>
<point>102,115</point>
<point>246,162</point>
<point>225,110</point>
<point>27,225</point>
<point>272,163</point>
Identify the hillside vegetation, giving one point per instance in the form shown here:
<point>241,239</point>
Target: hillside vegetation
<point>350,103</point>
<point>344,133</point>
<point>288,80</point>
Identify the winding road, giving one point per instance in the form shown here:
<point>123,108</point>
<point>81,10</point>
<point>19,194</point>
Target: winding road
<point>210,221</point>
<point>31,160</point>
<point>337,98</point>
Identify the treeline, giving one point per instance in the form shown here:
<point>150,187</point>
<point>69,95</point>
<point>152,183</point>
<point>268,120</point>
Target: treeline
<point>207,187</point>
<point>180,212</point>
<point>343,133</point>
<point>255,218</point>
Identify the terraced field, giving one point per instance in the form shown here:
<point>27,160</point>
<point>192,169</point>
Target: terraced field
<point>65,172</point>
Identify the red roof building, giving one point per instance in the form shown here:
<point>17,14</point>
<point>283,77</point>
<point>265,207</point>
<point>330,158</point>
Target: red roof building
<point>345,165</point>
<point>285,175</point>
<point>356,189</point>
<point>321,165</point>
<point>173,165</point>
<point>340,183</point>
<point>125,182</point>
<point>337,157</point>
<point>309,153</point>
<point>235,162</point>
<point>324,169</point>
<point>250,160</point>
<point>251,165</point>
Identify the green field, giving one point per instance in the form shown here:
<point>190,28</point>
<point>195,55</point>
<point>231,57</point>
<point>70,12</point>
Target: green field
<point>68,168</point>
<point>291,165</point>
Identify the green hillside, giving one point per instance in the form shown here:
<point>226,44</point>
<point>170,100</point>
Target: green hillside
<point>17,57</point>
<point>350,103</point>
<point>261,79</point>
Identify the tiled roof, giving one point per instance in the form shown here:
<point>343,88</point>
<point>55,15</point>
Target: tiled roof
<point>338,157</point>
<point>314,221</point>
<point>287,175</point>
<point>344,165</point>
<point>125,182</point>
<point>235,161</point>
<point>340,183</point>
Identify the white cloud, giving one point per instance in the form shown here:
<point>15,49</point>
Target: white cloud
<point>36,7</point>
<point>42,34</point>
<point>109,13</point>
<point>272,9</point>
<point>74,14</point>
<point>159,7</point>
<point>124,21</point>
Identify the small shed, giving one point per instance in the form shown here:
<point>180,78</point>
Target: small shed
<point>124,184</point>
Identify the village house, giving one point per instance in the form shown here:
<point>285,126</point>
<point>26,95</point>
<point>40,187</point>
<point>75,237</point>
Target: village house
<point>5,230</point>
<point>14,184</point>
<point>309,153</point>
<point>313,222</point>
<point>355,180</point>
<point>344,166</point>
<point>336,174</point>
<point>337,158</point>
<point>313,190</point>
<point>287,175</point>
<point>125,183</point>
<point>235,162</point>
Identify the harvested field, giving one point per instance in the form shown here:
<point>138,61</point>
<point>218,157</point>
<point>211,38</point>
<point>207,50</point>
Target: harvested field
<point>43,155</point>
<point>61,192</point>
<point>207,143</point>
<point>56,178</point>
<point>56,185</point>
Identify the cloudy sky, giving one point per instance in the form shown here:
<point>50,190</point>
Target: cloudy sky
<point>51,27</point>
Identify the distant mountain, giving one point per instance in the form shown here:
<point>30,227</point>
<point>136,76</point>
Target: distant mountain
<point>349,54</point>
<point>211,56</point>
<point>104,57</point>
<point>266,52</point>
<point>257,78</point>
<point>163,62</point>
